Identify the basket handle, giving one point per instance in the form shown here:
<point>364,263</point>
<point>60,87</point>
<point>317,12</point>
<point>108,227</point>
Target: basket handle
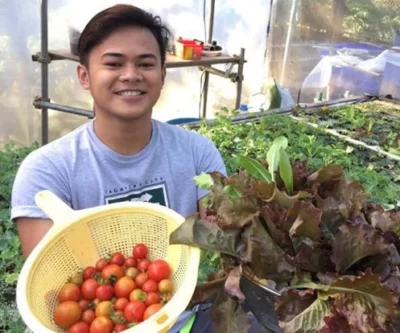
<point>57,210</point>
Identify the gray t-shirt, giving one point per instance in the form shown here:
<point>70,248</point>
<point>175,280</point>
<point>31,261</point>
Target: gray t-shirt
<point>84,172</point>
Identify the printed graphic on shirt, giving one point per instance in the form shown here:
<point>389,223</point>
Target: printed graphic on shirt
<point>153,193</point>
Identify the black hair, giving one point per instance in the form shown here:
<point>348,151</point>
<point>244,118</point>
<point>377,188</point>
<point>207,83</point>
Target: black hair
<point>119,16</point>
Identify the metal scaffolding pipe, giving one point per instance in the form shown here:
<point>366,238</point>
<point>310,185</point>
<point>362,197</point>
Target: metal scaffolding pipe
<point>45,71</point>
<point>64,108</point>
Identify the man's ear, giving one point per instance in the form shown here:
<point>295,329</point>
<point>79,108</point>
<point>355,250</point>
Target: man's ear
<point>83,76</point>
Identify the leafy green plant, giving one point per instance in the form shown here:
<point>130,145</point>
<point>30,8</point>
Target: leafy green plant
<point>333,255</point>
<point>11,259</point>
<point>376,123</point>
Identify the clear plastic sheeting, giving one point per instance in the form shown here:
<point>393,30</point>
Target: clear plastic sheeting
<point>20,80</point>
<point>329,49</point>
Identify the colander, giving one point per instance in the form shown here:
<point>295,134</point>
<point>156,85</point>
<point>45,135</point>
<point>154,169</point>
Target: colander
<point>78,238</point>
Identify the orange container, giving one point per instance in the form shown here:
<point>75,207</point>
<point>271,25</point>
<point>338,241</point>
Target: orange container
<point>188,49</point>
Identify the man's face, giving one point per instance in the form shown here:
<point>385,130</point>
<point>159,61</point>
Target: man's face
<point>124,75</point>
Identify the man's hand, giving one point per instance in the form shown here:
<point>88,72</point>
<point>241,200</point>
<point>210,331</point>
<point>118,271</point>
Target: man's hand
<point>31,231</point>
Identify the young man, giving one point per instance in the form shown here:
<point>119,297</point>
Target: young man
<point>123,154</point>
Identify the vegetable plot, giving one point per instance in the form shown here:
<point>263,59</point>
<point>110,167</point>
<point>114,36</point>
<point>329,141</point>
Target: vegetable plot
<point>375,123</point>
<point>312,234</point>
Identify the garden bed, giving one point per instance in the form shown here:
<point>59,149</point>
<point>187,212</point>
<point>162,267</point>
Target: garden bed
<point>379,174</point>
<point>375,123</point>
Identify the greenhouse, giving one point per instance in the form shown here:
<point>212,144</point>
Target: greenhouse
<point>200,166</point>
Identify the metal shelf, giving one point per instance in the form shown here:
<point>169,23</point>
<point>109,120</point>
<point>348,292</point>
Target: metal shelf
<point>171,61</point>
<point>205,64</point>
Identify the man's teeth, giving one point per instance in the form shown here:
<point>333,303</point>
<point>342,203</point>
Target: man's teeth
<point>130,93</point>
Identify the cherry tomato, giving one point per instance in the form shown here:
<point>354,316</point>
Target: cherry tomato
<point>140,251</point>
<point>137,295</point>
<point>84,304</point>
<point>77,279</point>
<point>140,279</point>
<point>130,262</point>
<point>89,288</point>
<point>100,264</point>
<point>88,316</point>
<point>152,309</point>
<point>124,287</point>
<point>132,272</point>
<point>165,286</point>
<point>152,298</point>
<point>112,270</point>
<point>159,270</point>
<point>101,324</point>
<point>120,304</point>
<point>69,292</point>
<point>119,328</point>
<point>119,317</point>
<point>134,311</point>
<point>67,314</point>
<point>117,258</point>
<point>143,266</point>
<point>89,272</point>
<point>80,327</point>
<point>105,292</point>
<point>149,286</point>
<point>104,308</point>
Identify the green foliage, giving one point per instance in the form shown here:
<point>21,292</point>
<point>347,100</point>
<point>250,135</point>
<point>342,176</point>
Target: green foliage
<point>11,259</point>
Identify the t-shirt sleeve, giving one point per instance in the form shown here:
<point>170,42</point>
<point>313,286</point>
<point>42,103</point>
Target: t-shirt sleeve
<point>36,173</point>
<point>210,160</point>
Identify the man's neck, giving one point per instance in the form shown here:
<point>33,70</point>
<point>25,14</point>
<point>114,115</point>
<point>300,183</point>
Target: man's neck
<point>124,137</point>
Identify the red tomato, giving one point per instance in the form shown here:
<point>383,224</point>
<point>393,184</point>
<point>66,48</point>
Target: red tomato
<point>102,324</point>
<point>105,292</point>
<point>130,262</point>
<point>119,328</point>
<point>140,279</point>
<point>69,292</point>
<point>117,258</point>
<point>149,286</point>
<point>143,266</point>
<point>88,316</point>
<point>100,264</point>
<point>67,314</point>
<point>80,327</point>
<point>89,272</point>
<point>152,309</point>
<point>124,287</point>
<point>112,270</point>
<point>134,311</point>
<point>120,304</point>
<point>84,304</point>
<point>159,270</point>
<point>104,308</point>
<point>89,288</point>
<point>152,298</point>
<point>140,251</point>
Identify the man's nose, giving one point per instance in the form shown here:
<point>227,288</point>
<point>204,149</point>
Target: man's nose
<point>131,73</point>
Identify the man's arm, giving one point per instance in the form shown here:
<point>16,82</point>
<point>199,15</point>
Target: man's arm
<point>31,231</point>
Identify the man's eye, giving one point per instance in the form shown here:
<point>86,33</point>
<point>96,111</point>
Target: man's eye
<point>113,64</point>
<point>146,64</point>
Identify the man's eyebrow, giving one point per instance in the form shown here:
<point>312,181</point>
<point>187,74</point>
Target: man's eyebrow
<point>112,54</point>
<point>120,55</point>
<point>147,55</point>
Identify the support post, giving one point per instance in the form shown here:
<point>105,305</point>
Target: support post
<point>45,71</point>
<point>239,84</point>
<point>206,74</point>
